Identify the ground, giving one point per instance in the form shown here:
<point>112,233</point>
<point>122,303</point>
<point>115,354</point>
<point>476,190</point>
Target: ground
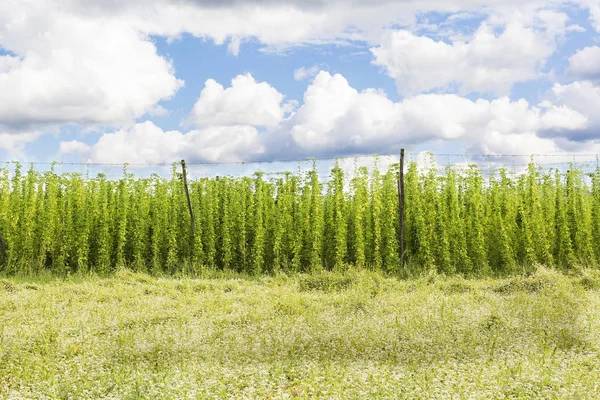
<point>354,335</point>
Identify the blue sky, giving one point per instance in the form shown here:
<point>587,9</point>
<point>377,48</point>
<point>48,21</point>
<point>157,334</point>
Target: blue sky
<point>197,60</point>
<point>157,81</point>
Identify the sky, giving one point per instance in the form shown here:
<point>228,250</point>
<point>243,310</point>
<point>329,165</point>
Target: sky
<point>156,81</point>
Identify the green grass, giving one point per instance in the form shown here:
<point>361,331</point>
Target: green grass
<point>358,335</point>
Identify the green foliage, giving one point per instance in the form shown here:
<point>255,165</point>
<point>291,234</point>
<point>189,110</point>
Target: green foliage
<point>457,221</point>
<point>358,220</point>
<point>352,335</point>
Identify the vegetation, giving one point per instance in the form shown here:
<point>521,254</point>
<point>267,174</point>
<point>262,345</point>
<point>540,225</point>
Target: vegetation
<point>457,222</point>
<point>350,335</point>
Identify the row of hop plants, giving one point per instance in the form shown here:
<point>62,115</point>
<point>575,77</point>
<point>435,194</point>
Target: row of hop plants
<point>457,221</point>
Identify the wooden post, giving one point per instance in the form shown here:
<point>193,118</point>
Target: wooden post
<point>2,250</point>
<point>401,206</point>
<point>187,193</point>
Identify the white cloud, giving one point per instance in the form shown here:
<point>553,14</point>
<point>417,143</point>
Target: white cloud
<point>417,63</point>
<point>306,72</point>
<point>74,70</point>
<point>593,7</point>
<point>336,119</point>
<point>158,111</point>
<point>7,63</point>
<point>146,143</point>
<point>246,102</point>
<point>595,16</point>
<point>487,63</point>
<point>76,62</point>
<point>582,97</point>
<point>143,143</point>
<point>585,63</point>
<point>225,143</point>
<point>14,144</point>
<point>234,45</point>
<point>514,143</point>
<point>292,22</point>
<point>73,146</point>
<point>94,63</point>
<point>562,118</point>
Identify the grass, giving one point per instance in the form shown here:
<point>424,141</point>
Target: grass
<point>353,336</point>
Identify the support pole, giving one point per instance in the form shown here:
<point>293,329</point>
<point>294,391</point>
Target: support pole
<point>187,194</point>
<point>2,250</point>
<point>401,206</point>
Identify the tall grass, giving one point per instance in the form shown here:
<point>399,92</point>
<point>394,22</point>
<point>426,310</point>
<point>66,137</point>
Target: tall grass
<point>327,335</point>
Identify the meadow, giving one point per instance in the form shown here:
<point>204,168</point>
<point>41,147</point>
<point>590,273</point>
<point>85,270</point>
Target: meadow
<point>352,335</point>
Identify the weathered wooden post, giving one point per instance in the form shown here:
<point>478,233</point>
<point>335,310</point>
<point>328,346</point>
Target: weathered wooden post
<point>401,206</point>
<point>187,193</point>
<point>2,250</point>
<point>189,202</point>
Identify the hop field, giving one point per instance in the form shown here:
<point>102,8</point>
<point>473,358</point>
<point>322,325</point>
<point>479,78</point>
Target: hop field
<point>354,335</point>
<point>457,222</point>
<point>286,287</point>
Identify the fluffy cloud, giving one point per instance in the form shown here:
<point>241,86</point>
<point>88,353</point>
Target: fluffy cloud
<point>487,63</point>
<point>585,64</point>
<point>146,143</point>
<point>73,146</point>
<point>246,102</point>
<point>278,23</point>
<point>73,62</point>
<point>72,70</point>
<point>227,119</point>
<point>583,97</point>
<point>336,119</point>
<point>64,69</point>
<point>275,22</point>
<point>14,144</point>
<point>306,72</point>
<point>594,9</point>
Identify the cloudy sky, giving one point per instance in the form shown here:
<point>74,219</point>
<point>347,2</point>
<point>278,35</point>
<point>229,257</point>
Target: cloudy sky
<point>153,81</point>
